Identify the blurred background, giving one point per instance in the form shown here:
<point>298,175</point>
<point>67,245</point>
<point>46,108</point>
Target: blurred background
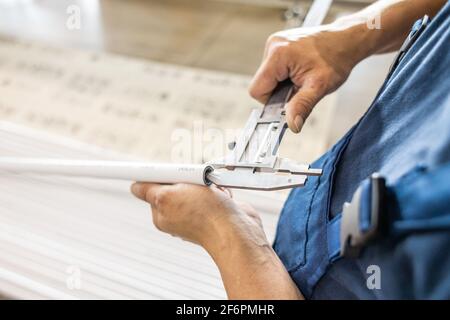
<point>225,35</point>
<point>159,80</point>
<point>212,38</point>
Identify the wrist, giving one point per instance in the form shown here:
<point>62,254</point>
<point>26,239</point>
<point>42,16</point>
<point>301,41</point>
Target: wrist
<point>249,267</point>
<point>235,234</point>
<point>359,41</point>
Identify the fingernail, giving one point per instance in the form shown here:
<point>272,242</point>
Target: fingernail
<point>298,122</point>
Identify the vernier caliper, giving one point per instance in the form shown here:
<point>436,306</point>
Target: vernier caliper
<point>253,162</point>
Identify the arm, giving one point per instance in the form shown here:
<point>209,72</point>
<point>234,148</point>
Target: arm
<point>396,17</point>
<point>319,60</point>
<point>230,232</point>
<point>249,267</point>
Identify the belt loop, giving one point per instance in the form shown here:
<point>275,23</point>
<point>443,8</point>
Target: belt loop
<point>362,219</point>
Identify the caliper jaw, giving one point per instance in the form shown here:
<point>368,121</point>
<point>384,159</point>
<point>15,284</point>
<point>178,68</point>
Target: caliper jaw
<point>260,178</point>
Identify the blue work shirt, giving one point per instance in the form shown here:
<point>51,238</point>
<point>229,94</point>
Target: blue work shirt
<point>407,128</point>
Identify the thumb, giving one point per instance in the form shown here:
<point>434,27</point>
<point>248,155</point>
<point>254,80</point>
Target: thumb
<point>301,104</point>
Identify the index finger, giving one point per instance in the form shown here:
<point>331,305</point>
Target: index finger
<point>146,191</point>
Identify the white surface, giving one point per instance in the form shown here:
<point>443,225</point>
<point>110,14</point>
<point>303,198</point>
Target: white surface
<point>51,226</point>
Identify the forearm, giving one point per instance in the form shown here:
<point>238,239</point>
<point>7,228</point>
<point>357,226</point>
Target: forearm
<point>249,267</point>
<point>394,19</point>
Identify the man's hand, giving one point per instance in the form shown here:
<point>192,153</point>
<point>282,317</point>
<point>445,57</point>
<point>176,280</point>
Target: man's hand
<point>207,216</point>
<point>318,60</point>
<point>230,232</point>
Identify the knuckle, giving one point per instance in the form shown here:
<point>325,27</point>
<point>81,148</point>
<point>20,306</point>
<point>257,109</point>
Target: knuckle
<point>148,195</point>
<point>278,50</point>
<point>158,221</point>
<point>274,37</point>
<point>325,73</point>
<point>252,90</point>
<point>283,52</point>
<point>320,83</point>
<point>161,198</point>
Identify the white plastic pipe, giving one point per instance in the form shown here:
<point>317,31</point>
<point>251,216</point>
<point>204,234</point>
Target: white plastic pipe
<point>122,170</point>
